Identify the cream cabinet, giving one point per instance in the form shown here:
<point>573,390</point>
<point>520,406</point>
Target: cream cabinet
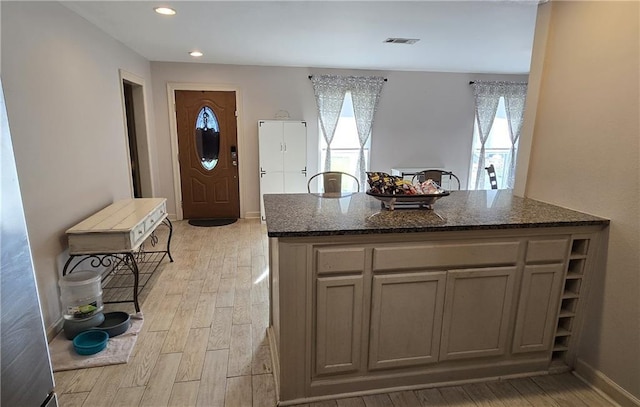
<point>477,307</point>
<point>353,315</point>
<point>282,148</point>
<point>338,324</point>
<point>406,315</point>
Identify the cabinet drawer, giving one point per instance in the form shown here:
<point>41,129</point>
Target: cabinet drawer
<point>155,217</point>
<point>137,233</point>
<point>547,250</point>
<point>339,260</point>
<point>445,255</point>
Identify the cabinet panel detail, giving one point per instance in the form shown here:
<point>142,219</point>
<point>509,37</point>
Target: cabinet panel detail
<point>338,324</point>
<point>406,319</point>
<point>445,255</point>
<point>547,250</point>
<point>476,313</point>
<point>340,260</point>
<point>537,308</point>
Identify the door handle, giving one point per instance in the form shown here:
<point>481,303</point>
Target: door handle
<point>234,156</point>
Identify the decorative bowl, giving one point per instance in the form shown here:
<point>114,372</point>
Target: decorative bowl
<point>420,200</point>
<point>90,342</point>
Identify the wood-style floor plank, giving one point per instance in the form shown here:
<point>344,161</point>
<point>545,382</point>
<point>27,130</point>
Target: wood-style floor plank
<point>482,395</point>
<point>190,368</point>
<point>404,399</point>
<point>203,316</point>
<point>72,399</point>
<point>220,335</point>
<point>351,402</point>
<point>139,367</point>
<point>264,393</point>
<point>127,397</point>
<point>184,394</point>
<point>83,380</point>
<point>533,393</point>
<point>104,391</point>
<point>161,381</point>
<point>239,392</point>
<point>240,351</point>
<point>558,390</point>
<point>457,396</point>
<point>377,400</point>
<point>213,383</point>
<point>431,397</point>
<point>508,394</point>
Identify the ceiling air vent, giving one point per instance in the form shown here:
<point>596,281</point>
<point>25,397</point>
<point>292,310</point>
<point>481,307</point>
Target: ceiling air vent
<point>401,40</point>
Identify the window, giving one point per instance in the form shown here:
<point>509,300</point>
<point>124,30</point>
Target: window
<point>345,147</point>
<point>497,149</point>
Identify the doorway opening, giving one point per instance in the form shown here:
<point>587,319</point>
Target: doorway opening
<point>134,110</point>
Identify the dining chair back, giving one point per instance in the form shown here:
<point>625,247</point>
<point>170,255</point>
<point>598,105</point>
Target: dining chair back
<point>334,182</point>
<point>492,176</point>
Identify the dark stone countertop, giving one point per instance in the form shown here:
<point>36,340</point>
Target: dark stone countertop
<point>295,215</point>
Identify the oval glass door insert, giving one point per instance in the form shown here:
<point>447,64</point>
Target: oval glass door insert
<point>207,138</point>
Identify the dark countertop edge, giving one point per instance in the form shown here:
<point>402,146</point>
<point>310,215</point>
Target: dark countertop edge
<point>595,222</point>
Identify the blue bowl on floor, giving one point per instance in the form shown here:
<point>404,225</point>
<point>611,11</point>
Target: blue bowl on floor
<point>90,342</point>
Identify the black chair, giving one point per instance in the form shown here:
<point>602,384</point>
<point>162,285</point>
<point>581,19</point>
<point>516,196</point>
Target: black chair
<point>437,176</point>
<point>492,176</point>
<point>335,182</point>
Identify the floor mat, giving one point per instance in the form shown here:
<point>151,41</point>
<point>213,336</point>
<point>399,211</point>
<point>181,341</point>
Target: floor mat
<point>118,350</point>
<point>206,223</point>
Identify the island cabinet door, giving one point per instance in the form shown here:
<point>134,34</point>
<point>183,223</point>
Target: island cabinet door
<point>406,319</point>
<point>476,312</point>
<point>537,307</point>
<point>338,327</point>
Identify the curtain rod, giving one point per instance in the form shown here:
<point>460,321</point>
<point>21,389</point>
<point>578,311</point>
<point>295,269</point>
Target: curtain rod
<point>311,76</point>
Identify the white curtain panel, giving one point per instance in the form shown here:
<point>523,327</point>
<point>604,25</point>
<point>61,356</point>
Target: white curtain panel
<point>514,101</point>
<point>487,96</point>
<point>365,93</point>
<point>329,91</point>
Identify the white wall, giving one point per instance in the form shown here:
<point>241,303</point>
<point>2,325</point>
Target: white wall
<point>61,82</point>
<point>423,119</point>
<point>585,155</point>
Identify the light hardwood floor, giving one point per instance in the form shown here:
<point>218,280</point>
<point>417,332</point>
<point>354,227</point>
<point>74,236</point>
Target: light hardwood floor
<point>203,341</point>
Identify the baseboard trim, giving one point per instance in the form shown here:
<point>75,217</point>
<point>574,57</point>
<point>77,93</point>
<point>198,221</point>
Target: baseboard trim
<point>252,215</point>
<point>54,329</point>
<point>603,384</point>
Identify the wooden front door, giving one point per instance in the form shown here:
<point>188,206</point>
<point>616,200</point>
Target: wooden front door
<point>208,154</point>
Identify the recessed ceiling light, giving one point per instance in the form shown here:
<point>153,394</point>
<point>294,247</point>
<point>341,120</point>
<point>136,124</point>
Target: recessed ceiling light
<point>166,11</point>
<point>196,53</point>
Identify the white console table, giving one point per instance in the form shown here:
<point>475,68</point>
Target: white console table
<point>113,239</point>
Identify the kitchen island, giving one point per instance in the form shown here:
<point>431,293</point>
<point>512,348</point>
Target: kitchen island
<point>366,300</point>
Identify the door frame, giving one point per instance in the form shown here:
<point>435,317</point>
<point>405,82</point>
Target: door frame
<point>143,142</point>
<point>173,128</point>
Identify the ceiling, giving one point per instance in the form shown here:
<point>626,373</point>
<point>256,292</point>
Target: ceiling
<point>455,36</point>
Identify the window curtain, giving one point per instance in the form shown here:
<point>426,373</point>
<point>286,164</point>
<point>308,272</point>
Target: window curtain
<point>514,101</point>
<point>329,91</point>
<point>365,94</point>
<point>487,96</point>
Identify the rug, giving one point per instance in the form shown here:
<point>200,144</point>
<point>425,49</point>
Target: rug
<point>206,223</point>
<point>118,350</point>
